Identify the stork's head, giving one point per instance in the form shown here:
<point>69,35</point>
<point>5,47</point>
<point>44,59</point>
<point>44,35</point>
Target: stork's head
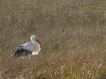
<point>34,39</point>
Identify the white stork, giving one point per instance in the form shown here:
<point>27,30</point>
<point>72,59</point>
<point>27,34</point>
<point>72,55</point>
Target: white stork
<point>28,48</point>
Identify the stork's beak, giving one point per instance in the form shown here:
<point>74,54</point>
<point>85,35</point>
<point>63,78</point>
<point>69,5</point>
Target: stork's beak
<point>38,41</point>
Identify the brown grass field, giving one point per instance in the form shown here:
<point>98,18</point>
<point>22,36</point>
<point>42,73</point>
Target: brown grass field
<point>73,33</point>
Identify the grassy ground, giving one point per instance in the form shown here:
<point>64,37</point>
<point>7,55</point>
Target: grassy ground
<point>73,33</point>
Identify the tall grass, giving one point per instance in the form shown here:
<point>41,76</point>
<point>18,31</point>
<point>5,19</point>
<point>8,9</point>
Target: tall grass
<point>72,33</point>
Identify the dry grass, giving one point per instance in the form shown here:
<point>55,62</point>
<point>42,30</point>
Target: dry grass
<point>73,33</point>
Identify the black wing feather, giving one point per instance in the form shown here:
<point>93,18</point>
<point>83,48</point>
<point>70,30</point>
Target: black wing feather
<point>21,52</point>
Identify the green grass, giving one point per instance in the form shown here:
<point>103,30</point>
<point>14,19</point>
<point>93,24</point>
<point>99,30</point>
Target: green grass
<point>73,33</point>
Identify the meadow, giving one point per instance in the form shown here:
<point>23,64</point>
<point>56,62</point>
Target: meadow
<point>73,33</point>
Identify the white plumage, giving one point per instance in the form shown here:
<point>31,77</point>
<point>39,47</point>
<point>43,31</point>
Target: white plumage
<point>32,47</point>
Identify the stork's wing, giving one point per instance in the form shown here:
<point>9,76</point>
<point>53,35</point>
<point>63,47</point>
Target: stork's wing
<point>21,52</point>
<point>28,46</point>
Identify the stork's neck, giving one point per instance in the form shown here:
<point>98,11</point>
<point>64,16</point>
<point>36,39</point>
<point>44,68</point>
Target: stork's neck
<point>35,42</point>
